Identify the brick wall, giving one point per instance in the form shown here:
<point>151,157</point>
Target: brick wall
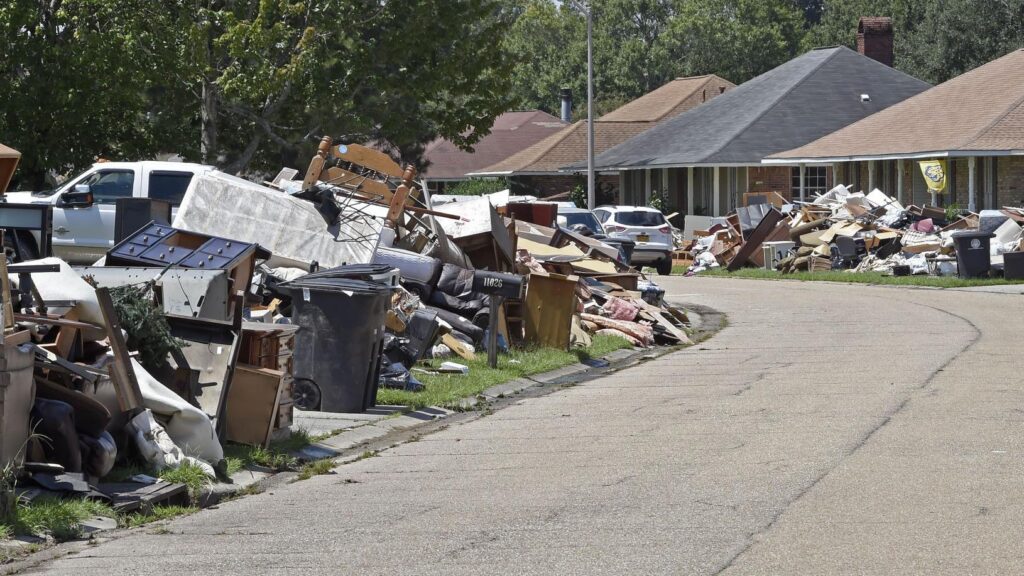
<point>763,179</point>
<point>1011,180</point>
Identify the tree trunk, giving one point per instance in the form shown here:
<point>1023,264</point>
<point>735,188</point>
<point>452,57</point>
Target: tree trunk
<point>243,160</point>
<point>208,116</point>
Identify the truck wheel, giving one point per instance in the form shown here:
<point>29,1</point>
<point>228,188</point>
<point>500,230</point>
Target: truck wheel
<point>664,266</point>
<point>20,251</point>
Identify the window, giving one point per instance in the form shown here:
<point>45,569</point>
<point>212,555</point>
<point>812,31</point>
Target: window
<point>640,218</point>
<point>815,180</point>
<point>109,185</point>
<point>586,218</point>
<point>169,186</point>
<point>601,215</point>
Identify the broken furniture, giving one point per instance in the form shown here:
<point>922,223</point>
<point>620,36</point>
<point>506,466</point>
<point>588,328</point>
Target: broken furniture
<point>550,305</point>
<point>17,393</point>
<point>195,292</point>
<point>159,245</point>
<point>252,404</point>
<point>134,214</point>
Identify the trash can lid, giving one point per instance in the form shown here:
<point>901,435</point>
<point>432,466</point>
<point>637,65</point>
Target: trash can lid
<point>352,271</point>
<point>329,284</point>
<point>973,234</point>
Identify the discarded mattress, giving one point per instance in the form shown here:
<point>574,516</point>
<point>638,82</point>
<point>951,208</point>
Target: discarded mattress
<point>221,205</point>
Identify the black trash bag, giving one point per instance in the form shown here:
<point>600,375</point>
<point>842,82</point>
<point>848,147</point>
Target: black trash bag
<point>324,201</point>
<point>460,324</point>
<point>462,307</point>
<point>55,420</point>
<point>395,375</point>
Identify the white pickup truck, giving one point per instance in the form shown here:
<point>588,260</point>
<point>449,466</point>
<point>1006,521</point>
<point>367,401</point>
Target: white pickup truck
<point>83,207</point>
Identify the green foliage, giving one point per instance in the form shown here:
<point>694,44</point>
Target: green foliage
<point>935,40</point>
<point>578,194</point>
<point>858,278</point>
<point>158,513</point>
<point>188,474</point>
<point>315,468</point>
<point>244,83</point>
<point>61,519</point>
<point>448,390</point>
<point>640,45</point>
<point>146,325</point>
<point>478,186</point>
<point>952,212</point>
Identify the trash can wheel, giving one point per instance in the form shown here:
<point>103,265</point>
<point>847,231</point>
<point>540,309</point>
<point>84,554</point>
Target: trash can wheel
<point>306,395</point>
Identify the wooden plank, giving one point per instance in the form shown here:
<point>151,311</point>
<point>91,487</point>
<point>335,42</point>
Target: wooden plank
<point>458,347</point>
<point>129,396</point>
<point>372,189</point>
<point>5,286</point>
<point>252,404</point>
<point>757,237</point>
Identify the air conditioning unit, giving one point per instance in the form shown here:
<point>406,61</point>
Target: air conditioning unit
<point>774,252</point>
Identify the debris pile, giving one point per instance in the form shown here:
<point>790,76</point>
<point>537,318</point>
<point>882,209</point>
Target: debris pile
<point>857,232</point>
<point>259,299</point>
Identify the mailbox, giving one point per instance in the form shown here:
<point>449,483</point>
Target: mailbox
<point>498,284</point>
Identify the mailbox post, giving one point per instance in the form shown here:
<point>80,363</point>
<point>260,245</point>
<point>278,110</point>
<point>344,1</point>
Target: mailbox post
<point>497,286</point>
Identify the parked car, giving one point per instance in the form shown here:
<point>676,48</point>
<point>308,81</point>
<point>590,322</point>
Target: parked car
<point>83,207</point>
<point>574,216</point>
<point>647,227</point>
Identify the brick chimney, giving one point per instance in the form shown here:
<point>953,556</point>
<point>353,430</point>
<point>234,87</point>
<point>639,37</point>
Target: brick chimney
<point>874,38</point>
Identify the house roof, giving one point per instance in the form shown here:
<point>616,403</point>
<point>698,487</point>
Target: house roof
<point>511,132</point>
<point>795,103</point>
<point>570,144</point>
<point>978,113</point>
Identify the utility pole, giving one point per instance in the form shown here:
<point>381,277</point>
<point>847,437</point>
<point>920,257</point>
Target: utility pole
<point>586,8</point>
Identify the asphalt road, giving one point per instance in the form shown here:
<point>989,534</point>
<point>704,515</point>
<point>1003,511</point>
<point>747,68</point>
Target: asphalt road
<point>829,429</point>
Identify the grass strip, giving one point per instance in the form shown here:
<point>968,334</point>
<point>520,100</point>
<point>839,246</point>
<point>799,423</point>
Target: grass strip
<point>448,390</point>
<point>876,278</point>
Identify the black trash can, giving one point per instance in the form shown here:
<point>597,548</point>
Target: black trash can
<point>336,363</point>
<point>972,253</point>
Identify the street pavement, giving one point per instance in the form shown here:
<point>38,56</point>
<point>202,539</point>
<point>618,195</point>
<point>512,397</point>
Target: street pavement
<point>828,429</point>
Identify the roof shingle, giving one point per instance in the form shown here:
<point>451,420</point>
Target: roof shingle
<point>570,144</point>
<point>981,110</point>
<point>797,102</point>
<point>511,132</point>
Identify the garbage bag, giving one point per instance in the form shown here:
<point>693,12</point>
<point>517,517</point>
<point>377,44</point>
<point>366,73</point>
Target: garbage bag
<point>156,447</point>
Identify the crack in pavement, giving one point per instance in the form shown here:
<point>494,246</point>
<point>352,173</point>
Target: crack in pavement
<point>753,536</point>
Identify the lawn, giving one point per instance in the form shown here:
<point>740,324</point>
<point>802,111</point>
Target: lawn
<point>447,390</point>
<point>856,278</point>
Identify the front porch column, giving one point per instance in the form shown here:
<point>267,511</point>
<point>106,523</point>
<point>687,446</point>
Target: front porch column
<point>899,181</point>
<point>803,182</point>
<point>647,187</point>
<point>622,187</point>
<point>871,175</point>
<point>971,204</point>
<point>689,190</point>
<point>717,200</point>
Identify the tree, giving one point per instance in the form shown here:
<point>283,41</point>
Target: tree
<point>736,39</point>
<point>245,83</point>
<point>400,72</point>
<point>935,40</point>
<point>74,87</point>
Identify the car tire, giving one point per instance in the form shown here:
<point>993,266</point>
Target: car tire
<point>21,251</point>
<point>664,266</point>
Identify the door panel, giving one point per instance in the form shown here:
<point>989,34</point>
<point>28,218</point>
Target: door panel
<point>85,234</point>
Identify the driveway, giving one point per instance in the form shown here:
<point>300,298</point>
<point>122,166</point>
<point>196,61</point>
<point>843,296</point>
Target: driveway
<point>828,429</point>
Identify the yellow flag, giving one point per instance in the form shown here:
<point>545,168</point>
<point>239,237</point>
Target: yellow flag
<point>934,172</point>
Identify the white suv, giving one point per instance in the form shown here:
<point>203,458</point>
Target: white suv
<point>646,227</point>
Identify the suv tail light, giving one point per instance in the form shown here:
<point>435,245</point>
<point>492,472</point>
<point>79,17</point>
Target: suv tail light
<point>614,228</point>
<point>665,230</point>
